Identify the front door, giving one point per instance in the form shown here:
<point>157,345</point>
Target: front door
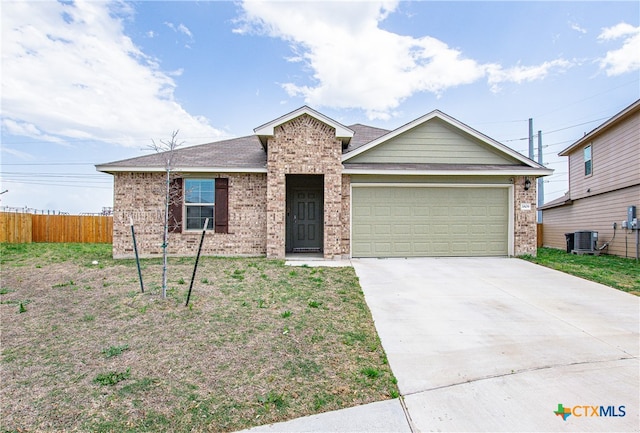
<point>306,220</point>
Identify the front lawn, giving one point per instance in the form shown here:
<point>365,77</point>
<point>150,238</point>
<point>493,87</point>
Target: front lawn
<point>83,349</point>
<point>618,272</point>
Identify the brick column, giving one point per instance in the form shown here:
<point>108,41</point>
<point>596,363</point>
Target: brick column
<point>525,227</point>
<point>345,217</point>
<point>276,214</point>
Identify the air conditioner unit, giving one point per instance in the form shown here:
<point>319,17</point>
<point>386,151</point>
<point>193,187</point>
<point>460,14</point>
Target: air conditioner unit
<point>585,241</point>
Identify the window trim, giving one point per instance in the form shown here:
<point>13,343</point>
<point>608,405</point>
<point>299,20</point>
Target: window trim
<point>211,226</point>
<point>585,160</point>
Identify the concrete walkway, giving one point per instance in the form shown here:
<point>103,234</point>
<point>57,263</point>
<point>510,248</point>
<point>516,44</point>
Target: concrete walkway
<point>495,344</point>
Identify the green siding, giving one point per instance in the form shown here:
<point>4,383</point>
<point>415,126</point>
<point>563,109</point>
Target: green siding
<point>429,221</point>
<point>433,142</point>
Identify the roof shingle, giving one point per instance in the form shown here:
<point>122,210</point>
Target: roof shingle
<point>237,153</point>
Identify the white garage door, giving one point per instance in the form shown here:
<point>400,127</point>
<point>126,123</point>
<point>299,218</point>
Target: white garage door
<point>391,221</point>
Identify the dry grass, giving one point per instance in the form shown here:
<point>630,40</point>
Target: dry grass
<point>84,350</point>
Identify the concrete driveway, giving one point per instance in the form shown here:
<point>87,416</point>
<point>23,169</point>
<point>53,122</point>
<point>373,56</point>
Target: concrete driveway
<point>496,344</point>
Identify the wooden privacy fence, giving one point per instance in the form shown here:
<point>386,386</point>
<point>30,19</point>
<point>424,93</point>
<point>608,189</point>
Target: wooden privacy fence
<point>540,234</point>
<point>26,228</point>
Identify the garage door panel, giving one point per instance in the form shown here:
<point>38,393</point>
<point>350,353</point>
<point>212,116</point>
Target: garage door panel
<point>382,248</point>
<point>364,247</point>
<point>402,211</point>
<point>459,228</point>
<point>402,247</point>
<point>382,211</point>
<point>479,228</point>
<point>439,212</point>
<point>496,211</point>
<point>363,211</point>
<point>428,221</point>
<point>458,211</point>
<point>361,230</point>
<point>401,229</point>
<point>440,248</point>
<point>421,229</point>
<point>382,230</point>
<point>421,211</point>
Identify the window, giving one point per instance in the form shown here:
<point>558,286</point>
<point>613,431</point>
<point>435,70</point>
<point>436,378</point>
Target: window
<point>181,198</point>
<point>588,162</point>
<point>199,203</point>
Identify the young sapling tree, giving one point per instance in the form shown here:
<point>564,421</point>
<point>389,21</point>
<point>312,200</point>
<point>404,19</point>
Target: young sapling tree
<point>167,150</point>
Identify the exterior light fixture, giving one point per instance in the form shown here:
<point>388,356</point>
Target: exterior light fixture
<point>527,184</point>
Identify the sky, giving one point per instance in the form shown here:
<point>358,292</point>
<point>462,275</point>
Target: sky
<point>88,82</point>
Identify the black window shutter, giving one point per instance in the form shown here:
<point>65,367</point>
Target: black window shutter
<point>222,205</point>
<point>175,205</point>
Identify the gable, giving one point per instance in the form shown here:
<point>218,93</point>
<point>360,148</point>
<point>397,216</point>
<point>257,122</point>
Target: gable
<point>434,142</point>
<point>268,129</point>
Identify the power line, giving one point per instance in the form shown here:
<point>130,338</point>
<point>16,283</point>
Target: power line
<point>558,143</point>
<point>64,141</point>
<point>558,130</point>
<point>48,163</point>
<point>72,185</point>
<point>579,124</point>
<point>40,174</point>
<point>556,162</point>
<point>588,97</point>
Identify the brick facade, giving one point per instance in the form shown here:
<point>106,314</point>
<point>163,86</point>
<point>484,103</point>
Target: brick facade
<point>346,216</point>
<point>140,196</point>
<point>304,145</point>
<point>525,228</point>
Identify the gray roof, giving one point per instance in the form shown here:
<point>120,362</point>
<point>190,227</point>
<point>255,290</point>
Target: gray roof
<point>237,153</point>
<point>560,201</point>
<point>363,134</point>
<point>247,154</point>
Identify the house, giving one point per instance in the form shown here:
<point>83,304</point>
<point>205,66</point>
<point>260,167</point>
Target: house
<point>604,181</point>
<point>306,183</point>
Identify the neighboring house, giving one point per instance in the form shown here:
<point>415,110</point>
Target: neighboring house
<point>306,183</point>
<point>604,180</point>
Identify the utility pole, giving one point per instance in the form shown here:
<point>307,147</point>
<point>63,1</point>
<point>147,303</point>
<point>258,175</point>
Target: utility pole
<point>531,139</point>
<point>540,179</point>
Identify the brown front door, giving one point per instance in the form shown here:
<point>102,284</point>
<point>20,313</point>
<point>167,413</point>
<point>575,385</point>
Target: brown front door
<point>306,220</point>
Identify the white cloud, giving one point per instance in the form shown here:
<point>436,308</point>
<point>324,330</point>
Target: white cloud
<point>618,31</point>
<point>520,74</point>
<point>25,129</point>
<point>17,153</point>
<point>180,28</point>
<point>624,59</point>
<point>577,28</point>
<point>68,70</point>
<point>355,63</point>
<point>184,29</point>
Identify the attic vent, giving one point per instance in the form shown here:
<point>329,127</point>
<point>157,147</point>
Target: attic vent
<point>585,241</point>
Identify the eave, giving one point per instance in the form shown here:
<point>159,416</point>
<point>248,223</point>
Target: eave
<point>614,120</point>
<point>123,169</point>
<point>444,170</point>
<point>565,200</point>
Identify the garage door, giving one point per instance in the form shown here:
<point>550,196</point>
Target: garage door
<point>429,221</point>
